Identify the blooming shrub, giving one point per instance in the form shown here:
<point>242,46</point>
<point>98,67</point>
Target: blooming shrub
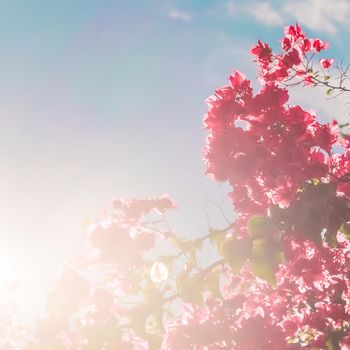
<point>281,277</point>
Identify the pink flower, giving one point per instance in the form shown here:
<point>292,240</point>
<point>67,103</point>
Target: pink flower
<point>262,52</point>
<point>294,32</point>
<point>326,62</point>
<point>320,45</point>
<point>292,58</point>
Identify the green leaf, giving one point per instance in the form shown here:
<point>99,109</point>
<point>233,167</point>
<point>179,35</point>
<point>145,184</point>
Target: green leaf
<point>329,91</point>
<point>217,236</point>
<point>258,226</point>
<point>235,252</point>
<point>345,229</point>
<point>266,256</point>
<point>190,288</point>
<point>332,344</point>
<point>315,181</point>
<point>331,238</point>
<point>212,283</point>
<point>264,271</point>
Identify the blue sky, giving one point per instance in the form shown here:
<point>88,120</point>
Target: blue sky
<point>102,98</point>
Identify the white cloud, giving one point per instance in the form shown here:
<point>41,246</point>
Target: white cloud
<point>265,13</point>
<point>320,15</point>
<point>180,15</point>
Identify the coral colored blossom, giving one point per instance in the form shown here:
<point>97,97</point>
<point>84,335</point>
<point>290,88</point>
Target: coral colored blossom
<point>326,62</point>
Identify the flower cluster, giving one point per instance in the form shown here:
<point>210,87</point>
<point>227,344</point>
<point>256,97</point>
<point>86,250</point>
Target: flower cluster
<point>103,300</point>
<point>308,308</point>
<point>291,191</point>
<point>265,148</point>
<point>294,59</point>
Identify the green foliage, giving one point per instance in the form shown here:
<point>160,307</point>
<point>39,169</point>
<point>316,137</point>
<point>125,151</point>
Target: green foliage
<point>267,254</point>
<point>258,226</point>
<point>345,229</point>
<point>329,91</point>
<point>235,252</point>
<point>212,282</point>
<point>189,287</point>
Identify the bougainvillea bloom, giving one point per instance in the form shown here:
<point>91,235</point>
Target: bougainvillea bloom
<point>326,62</point>
<point>280,277</point>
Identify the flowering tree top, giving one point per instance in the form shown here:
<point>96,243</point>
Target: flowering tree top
<point>280,278</point>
